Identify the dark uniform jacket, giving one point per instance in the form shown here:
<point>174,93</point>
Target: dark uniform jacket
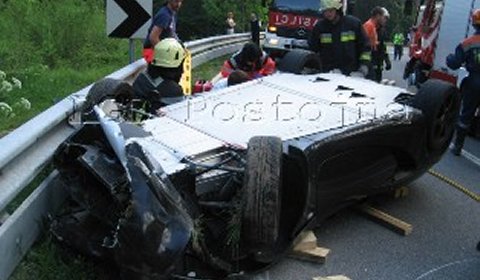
<point>156,92</point>
<point>343,45</point>
<point>468,53</point>
<point>380,57</point>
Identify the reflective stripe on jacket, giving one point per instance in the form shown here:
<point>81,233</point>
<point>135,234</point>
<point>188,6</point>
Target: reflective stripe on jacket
<point>398,39</point>
<point>343,45</point>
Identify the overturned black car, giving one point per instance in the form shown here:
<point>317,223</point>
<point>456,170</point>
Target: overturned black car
<point>220,184</point>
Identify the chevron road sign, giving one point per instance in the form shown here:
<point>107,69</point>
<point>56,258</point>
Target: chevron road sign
<point>128,18</point>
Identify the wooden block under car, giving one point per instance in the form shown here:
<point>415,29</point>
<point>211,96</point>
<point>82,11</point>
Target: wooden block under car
<point>336,277</point>
<point>305,241</point>
<point>316,255</point>
<point>306,248</point>
<point>386,219</point>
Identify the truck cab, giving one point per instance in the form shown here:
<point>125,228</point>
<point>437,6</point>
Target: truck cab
<point>441,25</point>
<point>290,23</point>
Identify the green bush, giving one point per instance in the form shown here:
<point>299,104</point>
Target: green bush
<point>56,33</point>
<point>55,48</point>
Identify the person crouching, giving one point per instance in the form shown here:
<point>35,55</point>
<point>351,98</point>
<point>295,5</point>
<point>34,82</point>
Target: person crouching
<point>159,85</point>
<point>250,59</point>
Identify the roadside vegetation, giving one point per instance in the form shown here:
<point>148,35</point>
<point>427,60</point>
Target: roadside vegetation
<point>53,48</point>
<point>47,261</point>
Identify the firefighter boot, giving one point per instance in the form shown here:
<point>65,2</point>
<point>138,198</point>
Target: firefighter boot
<point>459,141</point>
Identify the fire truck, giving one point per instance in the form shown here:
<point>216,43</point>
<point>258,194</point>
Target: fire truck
<point>290,23</point>
<point>441,25</point>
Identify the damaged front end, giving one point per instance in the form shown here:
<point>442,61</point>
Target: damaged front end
<point>121,207</point>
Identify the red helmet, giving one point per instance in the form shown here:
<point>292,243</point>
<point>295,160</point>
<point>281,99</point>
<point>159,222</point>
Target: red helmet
<point>476,17</point>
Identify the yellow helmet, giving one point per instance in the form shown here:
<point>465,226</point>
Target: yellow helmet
<point>330,4</point>
<point>168,53</point>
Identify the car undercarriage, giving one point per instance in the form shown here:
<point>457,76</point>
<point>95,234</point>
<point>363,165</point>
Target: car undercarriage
<point>195,195</point>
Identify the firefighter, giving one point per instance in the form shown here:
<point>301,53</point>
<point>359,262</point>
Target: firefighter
<point>340,41</point>
<point>251,59</point>
<point>375,30</point>
<point>467,53</point>
<point>158,85</point>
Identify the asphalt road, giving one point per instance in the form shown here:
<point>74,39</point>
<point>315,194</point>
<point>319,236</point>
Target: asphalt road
<point>446,230</point>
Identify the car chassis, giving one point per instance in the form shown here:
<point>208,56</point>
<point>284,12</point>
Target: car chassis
<point>221,184</point>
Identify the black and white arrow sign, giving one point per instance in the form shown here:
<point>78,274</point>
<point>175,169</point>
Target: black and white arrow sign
<point>128,18</point>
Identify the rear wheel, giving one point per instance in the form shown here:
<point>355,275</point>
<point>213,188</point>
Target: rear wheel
<point>300,61</point>
<point>262,190</point>
<point>439,102</point>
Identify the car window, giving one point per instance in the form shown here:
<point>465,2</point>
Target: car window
<point>295,5</point>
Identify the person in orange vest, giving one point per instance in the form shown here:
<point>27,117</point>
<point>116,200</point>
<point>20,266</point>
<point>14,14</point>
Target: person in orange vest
<point>164,25</point>
<point>374,27</point>
<point>251,59</point>
<point>467,53</point>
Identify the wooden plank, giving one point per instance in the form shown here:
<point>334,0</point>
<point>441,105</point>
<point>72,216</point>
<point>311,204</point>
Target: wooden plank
<point>316,255</point>
<point>22,228</point>
<point>336,277</point>
<point>306,249</point>
<point>386,219</point>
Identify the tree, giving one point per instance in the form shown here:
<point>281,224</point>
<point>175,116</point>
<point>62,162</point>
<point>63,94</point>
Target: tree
<point>203,18</point>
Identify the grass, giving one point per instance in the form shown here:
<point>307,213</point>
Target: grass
<point>208,70</point>
<point>45,260</point>
<point>44,87</point>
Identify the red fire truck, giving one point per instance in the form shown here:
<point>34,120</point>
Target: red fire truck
<point>441,25</point>
<point>290,23</point>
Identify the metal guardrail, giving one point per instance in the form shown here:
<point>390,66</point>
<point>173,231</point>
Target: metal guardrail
<point>27,150</point>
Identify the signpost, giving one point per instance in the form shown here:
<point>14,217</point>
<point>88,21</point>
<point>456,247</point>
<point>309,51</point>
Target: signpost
<point>129,19</point>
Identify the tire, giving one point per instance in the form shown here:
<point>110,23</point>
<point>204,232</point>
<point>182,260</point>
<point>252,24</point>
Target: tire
<point>262,195</point>
<point>105,89</point>
<point>439,101</point>
<point>300,61</point>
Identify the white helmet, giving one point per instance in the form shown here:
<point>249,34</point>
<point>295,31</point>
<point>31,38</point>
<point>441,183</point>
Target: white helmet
<point>168,53</point>
<point>385,12</point>
<point>330,4</point>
